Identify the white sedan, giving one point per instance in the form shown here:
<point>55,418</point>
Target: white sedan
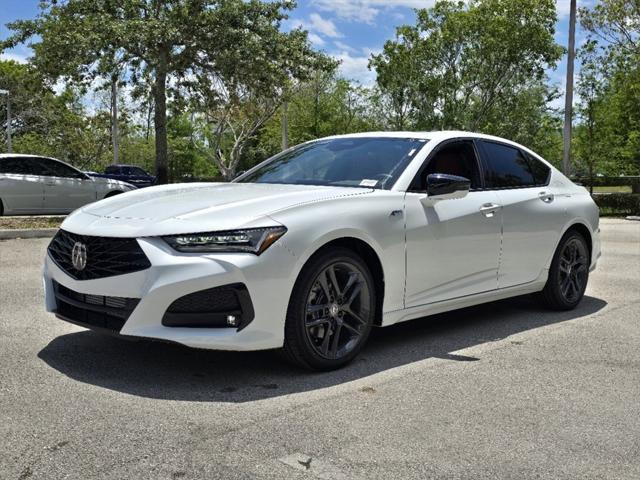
<point>31,185</point>
<point>312,248</point>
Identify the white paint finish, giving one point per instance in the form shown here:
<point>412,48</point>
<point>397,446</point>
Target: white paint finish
<point>445,253</point>
<point>452,247</point>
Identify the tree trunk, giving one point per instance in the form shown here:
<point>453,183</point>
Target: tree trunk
<point>160,118</point>
<point>114,118</point>
<point>285,125</point>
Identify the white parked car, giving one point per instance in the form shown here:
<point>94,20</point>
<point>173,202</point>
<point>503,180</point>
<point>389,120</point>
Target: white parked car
<point>312,248</point>
<point>30,184</point>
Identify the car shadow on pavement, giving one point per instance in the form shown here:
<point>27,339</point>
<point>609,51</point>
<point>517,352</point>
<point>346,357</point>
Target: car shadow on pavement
<point>172,372</point>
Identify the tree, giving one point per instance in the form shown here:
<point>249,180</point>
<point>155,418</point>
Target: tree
<point>613,109</point>
<point>156,40</point>
<point>49,124</point>
<point>461,65</point>
<point>243,93</point>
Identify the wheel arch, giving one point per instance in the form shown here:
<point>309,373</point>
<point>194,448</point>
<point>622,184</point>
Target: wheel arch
<point>370,257</point>
<point>582,227</point>
<point>113,193</point>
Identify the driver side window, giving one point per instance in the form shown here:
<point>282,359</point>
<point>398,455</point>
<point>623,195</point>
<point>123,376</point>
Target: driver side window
<point>456,158</point>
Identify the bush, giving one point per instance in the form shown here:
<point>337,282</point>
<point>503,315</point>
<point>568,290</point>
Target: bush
<point>618,203</point>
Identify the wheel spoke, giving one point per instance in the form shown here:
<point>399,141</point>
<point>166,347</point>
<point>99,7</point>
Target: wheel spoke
<point>351,328</point>
<point>353,277</point>
<point>322,280</point>
<point>324,348</point>
<point>334,281</point>
<point>564,287</point>
<point>354,315</point>
<point>317,321</point>
<point>311,309</point>
<point>336,339</point>
<point>354,294</point>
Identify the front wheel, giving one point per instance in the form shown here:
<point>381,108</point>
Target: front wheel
<point>568,274</point>
<point>331,311</point>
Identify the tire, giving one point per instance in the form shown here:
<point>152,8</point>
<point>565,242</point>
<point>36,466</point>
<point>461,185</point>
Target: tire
<point>1,208</point>
<point>569,273</point>
<point>113,194</point>
<point>326,327</point>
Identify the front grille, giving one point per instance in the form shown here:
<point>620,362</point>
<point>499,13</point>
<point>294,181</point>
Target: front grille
<point>105,257</point>
<point>93,310</point>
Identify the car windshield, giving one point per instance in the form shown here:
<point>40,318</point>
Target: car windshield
<point>368,162</point>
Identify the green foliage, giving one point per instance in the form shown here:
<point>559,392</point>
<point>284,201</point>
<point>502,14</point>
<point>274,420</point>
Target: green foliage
<point>472,67</point>
<point>618,203</point>
<point>608,138</point>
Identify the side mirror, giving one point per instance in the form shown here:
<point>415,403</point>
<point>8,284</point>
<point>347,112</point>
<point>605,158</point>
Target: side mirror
<point>441,186</point>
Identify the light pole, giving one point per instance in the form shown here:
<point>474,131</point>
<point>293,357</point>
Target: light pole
<point>568,98</point>
<point>6,92</point>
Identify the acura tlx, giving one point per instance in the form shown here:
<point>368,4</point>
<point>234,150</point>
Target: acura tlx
<point>310,249</point>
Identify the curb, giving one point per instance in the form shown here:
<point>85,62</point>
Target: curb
<point>30,233</point>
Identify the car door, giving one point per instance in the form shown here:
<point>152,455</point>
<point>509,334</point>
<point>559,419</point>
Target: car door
<point>21,185</point>
<point>452,246</point>
<point>65,187</point>
<point>531,215</point>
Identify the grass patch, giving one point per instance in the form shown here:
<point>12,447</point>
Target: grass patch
<point>615,189</point>
<point>29,223</point>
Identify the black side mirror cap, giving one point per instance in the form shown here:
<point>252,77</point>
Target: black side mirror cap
<point>444,186</point>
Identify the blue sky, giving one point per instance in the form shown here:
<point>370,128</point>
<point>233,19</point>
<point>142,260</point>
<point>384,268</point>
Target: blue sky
<point>349,30</point>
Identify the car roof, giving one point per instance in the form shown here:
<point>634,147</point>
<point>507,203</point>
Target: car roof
<point>427,135</point>
<point>28,155</point>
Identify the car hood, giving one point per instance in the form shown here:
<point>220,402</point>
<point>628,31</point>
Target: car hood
<point>195,207</point>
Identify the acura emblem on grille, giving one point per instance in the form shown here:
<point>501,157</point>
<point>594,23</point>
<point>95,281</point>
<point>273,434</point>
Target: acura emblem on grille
<point>79,256</point>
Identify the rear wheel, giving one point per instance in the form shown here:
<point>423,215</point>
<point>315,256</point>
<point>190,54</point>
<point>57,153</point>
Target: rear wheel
<point>569,273</point>
<point>331,311</point>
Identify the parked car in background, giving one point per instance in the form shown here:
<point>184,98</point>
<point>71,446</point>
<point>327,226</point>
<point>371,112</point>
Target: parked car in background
<point>30,184</point>
<point>127,173</point>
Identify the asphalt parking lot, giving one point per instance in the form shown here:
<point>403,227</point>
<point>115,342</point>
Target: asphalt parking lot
<point>503,390</point>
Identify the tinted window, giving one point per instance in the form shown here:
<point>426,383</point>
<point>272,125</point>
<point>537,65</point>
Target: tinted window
<point>507,167</point>
<point>59,169</point>
<point>371,162</point>
<point>138,171</point>
<point>21,166</point>
<point>112,170</point>
<point>457,158</point>
<point>540,171</point>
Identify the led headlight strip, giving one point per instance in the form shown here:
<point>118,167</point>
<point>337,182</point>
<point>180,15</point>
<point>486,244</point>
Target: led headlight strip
<point>250,240</point>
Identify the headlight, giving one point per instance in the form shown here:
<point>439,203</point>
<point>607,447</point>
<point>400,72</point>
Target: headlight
<point>250,240</point>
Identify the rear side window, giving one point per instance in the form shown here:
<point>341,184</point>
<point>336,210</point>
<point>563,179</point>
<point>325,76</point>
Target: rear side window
<point>507,167</point>
<point>20,166</point>
<point>112,170</point>
<point>540,171</point>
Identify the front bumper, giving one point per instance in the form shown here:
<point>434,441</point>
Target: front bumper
<point>172,275</point>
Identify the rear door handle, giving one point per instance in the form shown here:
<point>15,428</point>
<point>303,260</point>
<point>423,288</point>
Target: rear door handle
<point>546,197</point>
<point>489,209</point>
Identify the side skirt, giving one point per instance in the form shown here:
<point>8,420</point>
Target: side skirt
<point>397,316</point>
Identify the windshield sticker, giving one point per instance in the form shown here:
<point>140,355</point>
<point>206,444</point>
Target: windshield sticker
<point>368,183</point>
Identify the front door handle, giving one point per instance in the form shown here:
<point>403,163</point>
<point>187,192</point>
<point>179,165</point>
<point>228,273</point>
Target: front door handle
<point>489,209</point>
<point>546,197</point>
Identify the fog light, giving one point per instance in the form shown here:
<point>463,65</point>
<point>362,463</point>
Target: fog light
<point>232,321</point>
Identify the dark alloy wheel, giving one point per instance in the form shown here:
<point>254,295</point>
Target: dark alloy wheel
<point>568,274</point>
<point>331,311</point>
